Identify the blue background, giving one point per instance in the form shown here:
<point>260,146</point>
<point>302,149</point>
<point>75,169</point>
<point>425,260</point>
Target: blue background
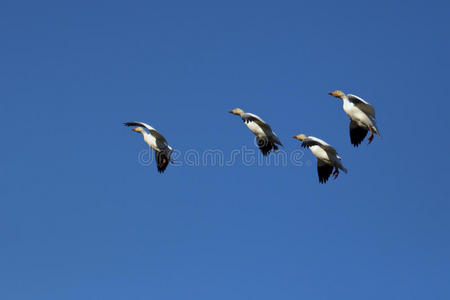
<point>81,218</point>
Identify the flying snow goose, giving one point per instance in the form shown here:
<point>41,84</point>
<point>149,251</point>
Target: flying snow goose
<point>266,138</point>
<point>362,117</point>
<point>156,141</point>
<point>326,155</point>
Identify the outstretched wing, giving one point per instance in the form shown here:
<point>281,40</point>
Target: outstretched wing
<point>363,105</point>
<point>357,133</point>
<point>248,117</point>
<point>324,171</point>
<point>158,136</point>
<point>313,141</point>
<point>142,124</point>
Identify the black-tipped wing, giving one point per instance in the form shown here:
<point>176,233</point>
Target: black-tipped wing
<point>160,140</point>
<point>357,133</point>
<point>313,141</point>
<point>309,142</point>
<point>158,136</point>
<point>248,117</point>
<point>265,145</point>
<point>324,171</point>
<point>362,105</point>
<point>162,160</point>
<point>142,124</point>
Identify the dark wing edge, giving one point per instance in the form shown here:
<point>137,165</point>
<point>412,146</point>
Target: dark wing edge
<point>265,127</point>
<point>265,145</point>
<point>357,133</point>
<point>162,160</point>
<point>261,123</point>
<point>365,106</point>
<point>152,131</point>
<point>134,124</point>
<point>310,142</point>
<point>158,135</point>
<point>324,171</point>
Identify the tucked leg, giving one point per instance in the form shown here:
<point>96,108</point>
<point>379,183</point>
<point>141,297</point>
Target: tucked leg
<point>335,173</point>
<point>371,135</point>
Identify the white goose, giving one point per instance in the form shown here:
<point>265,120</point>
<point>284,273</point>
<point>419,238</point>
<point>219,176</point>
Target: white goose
<point>362,117</point>
<point>266,138</point>
<point>156,141</point>
<point>326,155</point>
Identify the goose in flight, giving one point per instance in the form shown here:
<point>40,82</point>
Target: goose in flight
<point>362,117</point>
<point>266,138</point>
<point>326,155</point>
<point>156,141</point>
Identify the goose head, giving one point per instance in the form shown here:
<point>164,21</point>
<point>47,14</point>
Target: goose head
<point>337,93</point>
<point>138,130</point>
<point>237,111</point>
<point>300,137</point>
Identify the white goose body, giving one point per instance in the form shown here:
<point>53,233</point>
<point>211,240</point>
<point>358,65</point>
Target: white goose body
<point>321,154</point>
<point>151,141</point>
<point>319,151</point>
<point>357,115</point>
<point>155,144</point>
<point>254,127</point>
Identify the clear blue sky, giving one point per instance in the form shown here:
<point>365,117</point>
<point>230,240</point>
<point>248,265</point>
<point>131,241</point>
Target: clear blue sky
<point>81,218</point>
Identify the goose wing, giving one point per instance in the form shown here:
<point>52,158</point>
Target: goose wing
<point>162,160</point>
<point>357,133</point>
<point>363,105</point>
<point>265,145</point>
<point>313,141</point>
<point>324,171</point>
<point>158,136</point>
<point>248,117</point>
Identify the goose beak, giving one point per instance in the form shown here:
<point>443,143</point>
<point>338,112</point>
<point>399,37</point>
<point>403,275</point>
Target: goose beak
<point>330,93</point>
